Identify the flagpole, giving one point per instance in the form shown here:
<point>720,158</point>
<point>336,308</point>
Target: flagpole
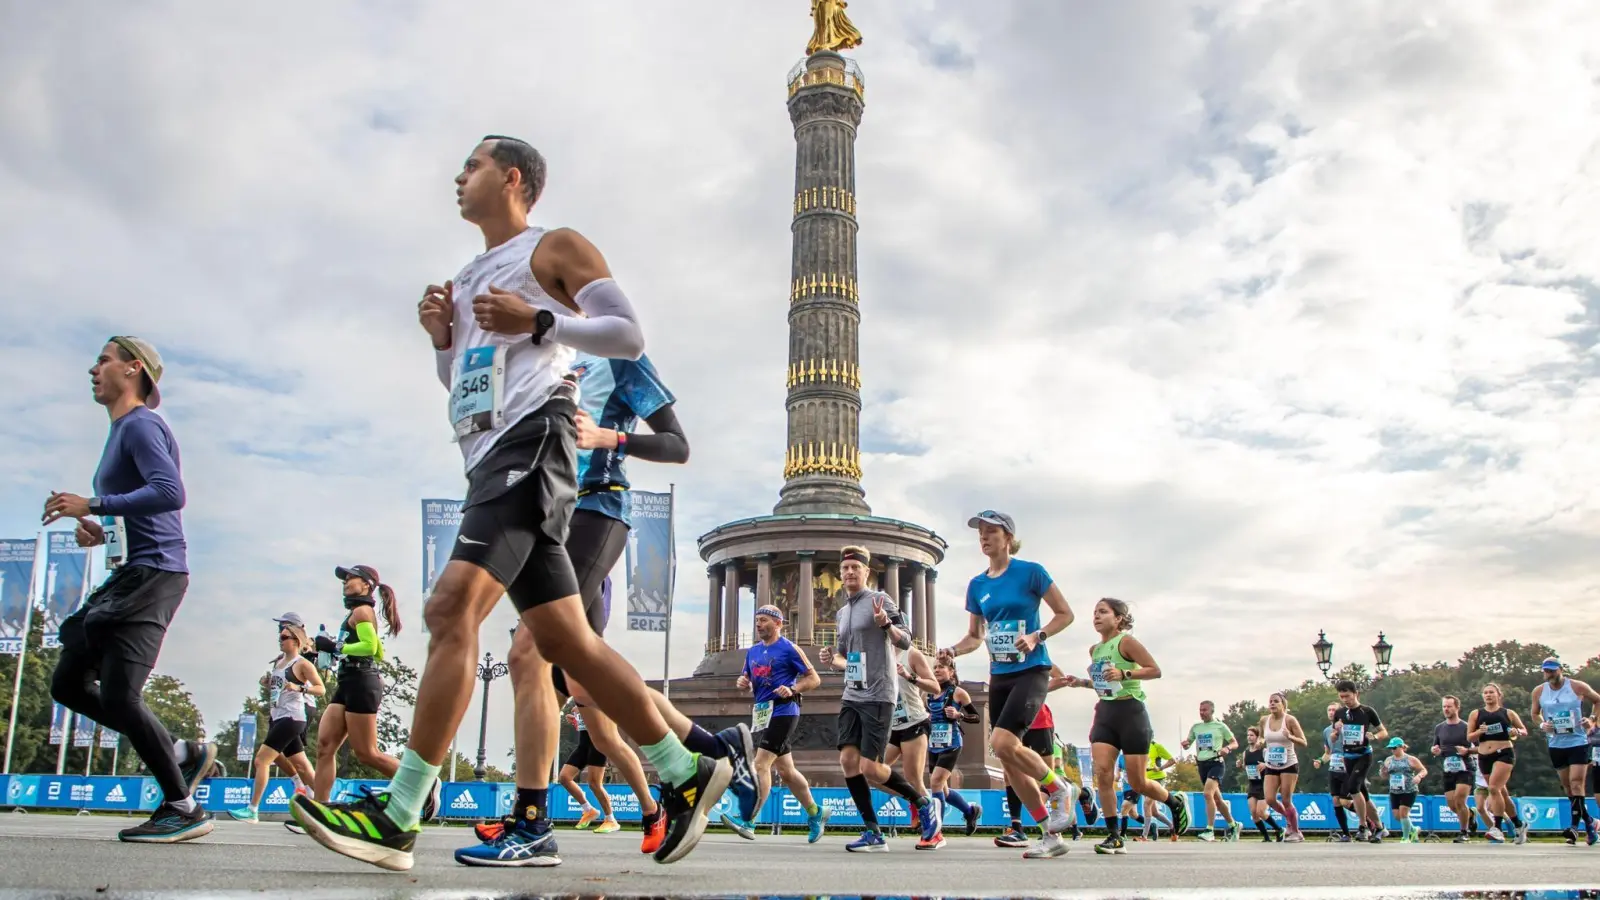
<point>672,585</point>
<point>66,737</point>
<point>22,658</point>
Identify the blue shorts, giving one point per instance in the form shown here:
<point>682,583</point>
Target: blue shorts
<point>1210,770</point>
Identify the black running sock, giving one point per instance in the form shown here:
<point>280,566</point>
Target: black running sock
<point>1500,822</point>
<point>703,742</point>
<point>536,799</point>
<point>861,793</point>
<point>1115,825</point>
<point>1516,820</point>
<point>1340,817</point>
<point>1579,814</point>
<point>1273,824</point>
<point>1013,805</point>
<point>1262,827</point>
<point>904,788</point>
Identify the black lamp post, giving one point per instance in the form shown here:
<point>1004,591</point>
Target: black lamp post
<point>1381,653</point>
<point>488,671</point>
<point>1324,651</point>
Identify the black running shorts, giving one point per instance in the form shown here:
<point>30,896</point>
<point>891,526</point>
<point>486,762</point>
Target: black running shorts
<point>864,725</point>
<point>1354,779</point>
<point>1015,698</point>
<point>1594,780</point>
<point>584,755</point>
<point>910,732</point>
<point>1123,724</point>
<point>520,498</point>
<point>1209,770</point>
<point>944,759</point>
<point>1399,800</point>
<point>359,691</point>
<point>1562,757</point>
<point>777,737</point>
<point>1487,761</point>
<point>126,617</point>
<point>286,735</point>
<point>1453,780</point>
<point>594,544</point>
<point>1041,741</point>
<point>1257,790</point>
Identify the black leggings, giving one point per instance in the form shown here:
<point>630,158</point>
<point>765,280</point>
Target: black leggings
<point>117,702</point>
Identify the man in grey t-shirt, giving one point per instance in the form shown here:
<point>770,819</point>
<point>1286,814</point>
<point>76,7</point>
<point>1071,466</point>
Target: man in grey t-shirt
<point>870,631</point>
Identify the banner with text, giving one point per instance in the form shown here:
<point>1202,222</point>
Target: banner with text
<point>16,592</point>
<point>66,582</point>
<point>108,738</point>
<point>440,521</point>
<point>58,723</point>
<point>651,561</point>
<point>247,737</point>
<point>83,731</point>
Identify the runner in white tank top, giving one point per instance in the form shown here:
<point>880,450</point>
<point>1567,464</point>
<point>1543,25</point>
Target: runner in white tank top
<point>1280,735</point>
<point>909,727</point>
<point>496,341</point>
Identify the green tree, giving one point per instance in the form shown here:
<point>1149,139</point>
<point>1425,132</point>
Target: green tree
<point>31,752</point>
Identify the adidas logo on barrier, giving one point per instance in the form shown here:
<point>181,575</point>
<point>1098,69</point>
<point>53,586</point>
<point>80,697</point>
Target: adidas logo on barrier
<point>116,795</point>
<point>278,795</point>
<point>891,807</point>
<point>464,800</point>
<point>1313,813</point>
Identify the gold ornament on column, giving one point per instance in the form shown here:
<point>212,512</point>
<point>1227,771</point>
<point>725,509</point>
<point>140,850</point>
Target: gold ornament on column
<point>831,28</point>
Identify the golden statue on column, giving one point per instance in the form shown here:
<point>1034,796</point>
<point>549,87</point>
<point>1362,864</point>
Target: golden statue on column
<point>833,31</point>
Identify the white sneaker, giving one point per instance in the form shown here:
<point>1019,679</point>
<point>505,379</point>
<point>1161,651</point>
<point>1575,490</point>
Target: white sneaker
<point>1060,813</point>
<point>1522,832</point>
<point>1052,845</point>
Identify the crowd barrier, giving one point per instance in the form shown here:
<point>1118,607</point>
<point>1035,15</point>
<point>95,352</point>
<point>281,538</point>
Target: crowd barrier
<point>471,800</point>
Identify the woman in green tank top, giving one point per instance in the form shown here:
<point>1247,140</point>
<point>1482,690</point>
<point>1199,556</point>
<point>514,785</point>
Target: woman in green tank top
<point>1118,667</point>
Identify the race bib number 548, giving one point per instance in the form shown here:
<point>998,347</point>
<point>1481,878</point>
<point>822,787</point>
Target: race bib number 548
<point>475,403</point>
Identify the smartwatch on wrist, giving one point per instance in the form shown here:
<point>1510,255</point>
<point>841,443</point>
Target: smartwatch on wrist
<point>543,321</point>
<point>94,505</point>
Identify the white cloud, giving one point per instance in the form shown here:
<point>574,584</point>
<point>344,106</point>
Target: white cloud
<point>1266,316</point>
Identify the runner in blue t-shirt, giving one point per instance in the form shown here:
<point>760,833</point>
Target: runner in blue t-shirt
<point>1004,603</point>
<point>776,673</point>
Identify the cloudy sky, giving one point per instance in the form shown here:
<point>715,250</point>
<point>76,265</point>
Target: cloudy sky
<point>1266,316</point>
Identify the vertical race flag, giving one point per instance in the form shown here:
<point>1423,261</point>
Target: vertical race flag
<point>108,738</point>
<point>16,592</point>
<point>247,737</point>
<point>66,582</point>
<point>1085,767</point>
<point>650,561</point>
<point>83,731</point>
<point>58,723</point>
<point>440,519</point>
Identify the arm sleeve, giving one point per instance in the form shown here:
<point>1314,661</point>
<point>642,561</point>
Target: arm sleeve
<point>162,492</point>
<point>609,328</point>
<point>366,642</point>
<point>667,444</point>
<point>444,361</point>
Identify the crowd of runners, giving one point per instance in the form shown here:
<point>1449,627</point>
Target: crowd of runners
<point>543,360</point>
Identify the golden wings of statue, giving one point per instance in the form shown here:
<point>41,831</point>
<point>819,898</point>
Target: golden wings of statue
<point>834,30</point>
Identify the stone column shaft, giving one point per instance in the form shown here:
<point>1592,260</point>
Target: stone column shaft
<point>714,608</point>
<point>763,580</point>
<point>730,603</point>
<point>919,601</point>
<point>933,608</point>
<point>807,600</point>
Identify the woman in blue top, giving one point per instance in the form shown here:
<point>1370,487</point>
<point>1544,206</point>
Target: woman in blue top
<point>1004,604</point>
<point>1558,708</point>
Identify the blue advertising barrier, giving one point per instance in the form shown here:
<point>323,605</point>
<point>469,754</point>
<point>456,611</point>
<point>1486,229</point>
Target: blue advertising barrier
<point>470,800</point>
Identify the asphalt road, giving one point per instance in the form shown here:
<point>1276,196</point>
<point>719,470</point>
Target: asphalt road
<point>60,856</point>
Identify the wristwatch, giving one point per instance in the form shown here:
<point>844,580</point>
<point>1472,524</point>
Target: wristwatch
<point>1040,635</point>
<point>94,505</point>
<point>543,321</point>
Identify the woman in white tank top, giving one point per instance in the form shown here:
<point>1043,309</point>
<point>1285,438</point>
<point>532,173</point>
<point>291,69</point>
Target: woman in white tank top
<point>1280,734</point>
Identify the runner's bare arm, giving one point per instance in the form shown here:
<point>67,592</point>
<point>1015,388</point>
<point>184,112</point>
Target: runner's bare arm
<point>574,273</point>
<point>811,680</point>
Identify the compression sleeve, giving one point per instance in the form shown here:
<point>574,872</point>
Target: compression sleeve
<point>366,642</point>
<point>609,327</point>
<point>666,445</point>
<point>969,714</point>
<point>444,361</point>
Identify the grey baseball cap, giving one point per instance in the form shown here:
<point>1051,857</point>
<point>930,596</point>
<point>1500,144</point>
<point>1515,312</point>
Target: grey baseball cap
<point>991,517</point>
<point>291,618</point>
<point>147,355</point>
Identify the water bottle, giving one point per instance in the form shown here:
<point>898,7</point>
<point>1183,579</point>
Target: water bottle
<point>324,658</point>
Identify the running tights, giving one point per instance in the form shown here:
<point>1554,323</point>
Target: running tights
<point>117,702</point>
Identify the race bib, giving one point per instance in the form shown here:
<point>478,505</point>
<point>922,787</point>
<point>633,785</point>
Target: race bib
<point>1397,783</point>
<point>1204,742</point>
<point>1002,638</point>
<point>1453,763</point>
<point>1494,728</point>
<point>116,540</point>
<point>1097,674</point>
<point>1335,763</point>
<point>1564,722</point>
<point>900,717</point>
<point>1277,756</point>
<point>1252,772</point>
<point>1354,736</point>
<point>1594,756</point>
<point>941,737</point>
<point>475,401</point>
<point>855,670</point>
<point>761,716</point>
<point>277,694</point>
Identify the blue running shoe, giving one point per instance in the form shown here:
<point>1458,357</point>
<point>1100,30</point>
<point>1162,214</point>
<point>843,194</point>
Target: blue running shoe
<point>742,755</point>
<point>930,817</point>
<point>869,842</point>
<point>245,814</point>
<point>816,825</point>
<point>517,846</point>
<point>197,762</point>
<point>740,827</point>
<point>169,826</point>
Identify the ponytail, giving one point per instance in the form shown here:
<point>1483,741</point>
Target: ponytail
<point>391,609</point>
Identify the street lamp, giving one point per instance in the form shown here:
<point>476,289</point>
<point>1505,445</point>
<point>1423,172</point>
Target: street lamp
<point>1324,651</point>
<point>1381,653</point>
<point>488,671</point>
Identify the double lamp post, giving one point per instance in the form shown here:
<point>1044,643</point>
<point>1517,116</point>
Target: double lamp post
<point>1382,652</point>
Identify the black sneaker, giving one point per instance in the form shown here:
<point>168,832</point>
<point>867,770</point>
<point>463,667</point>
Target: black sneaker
<point>742,756</point>
<point>199,759</point>
<point>1375,837</point>
<point>430,805</point>
<point>360,830</point>
<point>1342,837</point>
<point>1013,837</point>
<point>688,806</point>
<point>1178,805</point>
<point>168,826</point>
<point>972,819</point>
<point>1111,846</point>
<point>1571,837</point>
<point>1461,838</point>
